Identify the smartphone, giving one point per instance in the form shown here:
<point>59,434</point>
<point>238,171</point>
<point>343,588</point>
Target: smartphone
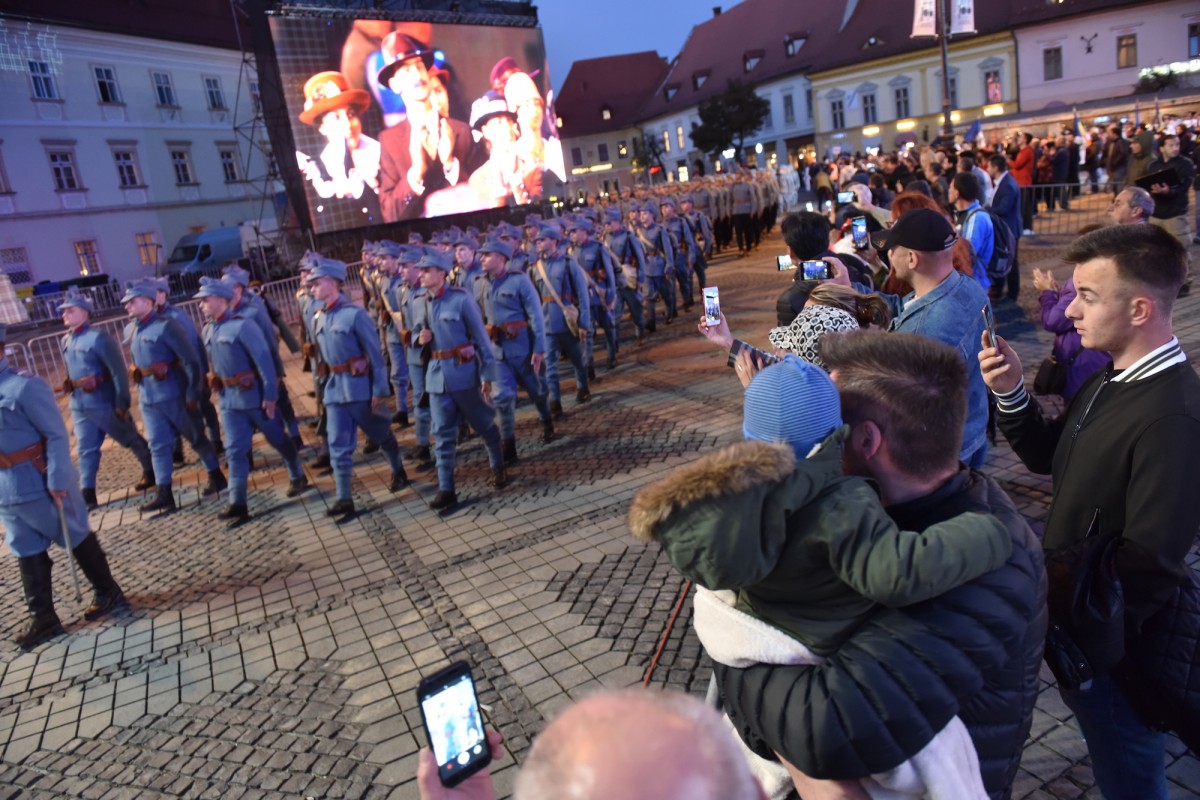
<point>808,206</point>
<point>989,324</point>
<point>827,206</point>
<point>846,198</point>
<point>453,723</point>
<point>712,306</point>
<point>817,271</point>
<point>858,229</point>
<point>784,263</point>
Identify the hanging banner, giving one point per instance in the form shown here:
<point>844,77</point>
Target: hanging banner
<point>962,16</point>
<point>925,18</point>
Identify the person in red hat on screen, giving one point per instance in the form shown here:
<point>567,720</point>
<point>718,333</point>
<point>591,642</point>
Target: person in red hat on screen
<point>349,164</point>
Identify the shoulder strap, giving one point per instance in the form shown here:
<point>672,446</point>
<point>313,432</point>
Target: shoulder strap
<point>549,285</point>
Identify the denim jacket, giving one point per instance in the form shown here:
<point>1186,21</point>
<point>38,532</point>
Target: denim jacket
<point>952,313</point>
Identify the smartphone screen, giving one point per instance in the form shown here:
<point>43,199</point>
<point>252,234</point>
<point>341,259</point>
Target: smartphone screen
<point>858,229</point>
<point>845,198</point>
<point>453,723</point>
<point>784,263</point>
<point>989,324</point>
<point>712,306</point>
<point>817,271</point>
<point>827,206</point>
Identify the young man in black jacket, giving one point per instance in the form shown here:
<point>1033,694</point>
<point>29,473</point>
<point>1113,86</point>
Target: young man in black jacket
<point>1124,449</point>
<point>974,651</point>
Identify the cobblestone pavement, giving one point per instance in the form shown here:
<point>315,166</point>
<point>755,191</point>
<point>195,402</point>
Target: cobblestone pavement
<point>282,660</point>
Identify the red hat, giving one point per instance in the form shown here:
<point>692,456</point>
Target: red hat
<point>400,47</point>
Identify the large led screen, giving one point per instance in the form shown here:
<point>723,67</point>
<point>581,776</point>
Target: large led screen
<point>397,121</point>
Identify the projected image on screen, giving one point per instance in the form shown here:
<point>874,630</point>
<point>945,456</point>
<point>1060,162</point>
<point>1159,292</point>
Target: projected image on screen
<point>396,121</point>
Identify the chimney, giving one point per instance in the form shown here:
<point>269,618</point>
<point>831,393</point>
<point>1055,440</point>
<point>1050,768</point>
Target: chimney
<point>716,11</point>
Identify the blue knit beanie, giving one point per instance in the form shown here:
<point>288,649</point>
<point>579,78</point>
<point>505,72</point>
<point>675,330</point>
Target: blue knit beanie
<point>792,402</point>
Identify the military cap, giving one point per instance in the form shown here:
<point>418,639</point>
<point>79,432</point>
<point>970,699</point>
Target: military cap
<point>307,261</point>
<point>387,247</point>
<point>435,259</point>
<point>581,224</point>
<point>411,253</point>
<point>160,284</point>
<point>139,288</point>
<point>76,300</point>
<point>497,246</point>
<point>236,274</point>
<point>508,229</point>
<point>548,232</point>
<point>469,241</point>
<point>329,268</point>
<point>686,198</point>
<point>613,215</point>
<point>215,287</point>
<point>473,231</point>
<point>415,238</point>
<point>667,200</point>
<point>533,220</point>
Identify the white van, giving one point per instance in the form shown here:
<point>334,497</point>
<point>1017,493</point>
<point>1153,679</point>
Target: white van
<point>205,251</point>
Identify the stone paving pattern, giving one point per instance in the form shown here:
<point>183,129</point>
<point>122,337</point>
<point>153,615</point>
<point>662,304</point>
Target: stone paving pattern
<point>281,660</point>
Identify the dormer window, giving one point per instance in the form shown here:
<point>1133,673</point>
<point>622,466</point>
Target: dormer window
<point>670,90</point>
<point>872,41</point>
<point>793,42</point>
<point>750,59</point>
<point>699,78</point>
<point>605,113</point>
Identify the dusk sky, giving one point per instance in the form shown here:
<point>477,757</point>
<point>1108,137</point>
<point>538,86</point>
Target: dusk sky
<point>575,31</point>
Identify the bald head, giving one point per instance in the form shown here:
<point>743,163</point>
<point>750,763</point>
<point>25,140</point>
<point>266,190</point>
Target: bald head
<point>638,743</point>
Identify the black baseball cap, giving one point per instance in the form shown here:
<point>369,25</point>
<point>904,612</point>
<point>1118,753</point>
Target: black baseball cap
<point>921,229</point>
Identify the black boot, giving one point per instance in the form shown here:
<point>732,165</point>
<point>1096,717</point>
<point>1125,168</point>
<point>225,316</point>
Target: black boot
<point>508,448</point>
<point>370,447</point>
<point>163,500</point>
<point>94,564</point>
<point>400,418</point>
<point>236,513</point>
<point>89,497</point>
<point>423,457</point>
<point>443,500</point>
<point>399,480</point>
<point>320,462</point>
<point>583,396</point>
<point>297,443</point>
<point>340,508</point>
<point>499,478</point>
<point>298,487</point>
<point>556,408</point>
<point>177,453</point>
<point>39,598</point>
<point>547,431</point>
<point>591,373</point>
<point>216,482</point>
<point>146,481</point>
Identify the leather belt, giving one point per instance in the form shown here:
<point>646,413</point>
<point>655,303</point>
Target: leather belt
<point>463,353</point>
<point>506,330</point>
<point>35,454</point>
<point>357,366</point>
<point>157,370</point>
<point>242,380</point>
<point>88,383</point>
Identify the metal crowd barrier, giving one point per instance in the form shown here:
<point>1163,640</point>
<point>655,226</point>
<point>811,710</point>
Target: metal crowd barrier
<point>1063,209</point>
<point>43,354</point>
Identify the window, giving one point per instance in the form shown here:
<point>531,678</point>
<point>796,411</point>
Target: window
<point>602,151</point>
<point>576,156</point>
<point>953,84</point>
<point>44,85</point>
<point>106,84</point>
<point>62,163</point>
<point>181,161</point>
<point>993,89</point>
<point>5,186</point>
<point>902,107</point>
<point>269,158</point>
<point>605,113</point>
<point>216,97</point>
<point>670,91</point>
<point>1194,40</point>
<point>622,149</point>
<point>837,113</point>
<point>255,98</point>
<point>750,60</point>
<point>89,258</point>
<point>870,112</point>
<point>666,141</point>
<point>163,89</point>
<point>679,137</point>
<point>1127,51</point>
<point>808,103</point>
<point>127,171</point>
<point>229,165</point>
<point>789,110</point>
<point>1052,64</point>
<point>698,80</point>
<point>148,248</point>
<point>14,261</point>
<point>792,44</point>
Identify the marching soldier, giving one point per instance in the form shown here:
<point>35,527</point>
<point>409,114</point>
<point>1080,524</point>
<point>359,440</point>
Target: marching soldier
<point>40,499</point>
<point>308,306</point>
<point>561,285</point>
<point>99,389</point>
<point>596,263</point>
<point>702,228</point>
<point>626,251</point>
<point>410,300</point>
<point>166,368</point>
<point>452,327</point>
<point>683,241</point>
<point>660,264</point>
<point>391,287</point>
<point>513,313</point>
<point>243,376</point>
<point>511,236</point>
<point>252,307</point>
<point>356,387</point>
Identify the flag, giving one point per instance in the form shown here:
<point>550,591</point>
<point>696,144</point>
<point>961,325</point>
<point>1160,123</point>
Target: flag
<point>973,132</point>
<point>962,16</point>
<point>1137,113</point>
<point>925,18</point>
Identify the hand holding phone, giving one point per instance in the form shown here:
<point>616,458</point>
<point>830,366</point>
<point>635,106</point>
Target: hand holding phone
<point>989,325</point>
<point>453,723</point>
<point>784,263</point>
<point>858,230</point>
<point>817,270</point>
<point>712,306</point>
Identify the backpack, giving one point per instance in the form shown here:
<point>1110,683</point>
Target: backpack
<point>1004,246</point>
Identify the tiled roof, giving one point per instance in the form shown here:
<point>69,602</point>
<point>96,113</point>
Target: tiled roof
<point>205,22</point>
<point>620,84</point>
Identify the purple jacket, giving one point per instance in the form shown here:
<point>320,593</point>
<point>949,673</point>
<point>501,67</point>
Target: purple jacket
<point>1067,341</point>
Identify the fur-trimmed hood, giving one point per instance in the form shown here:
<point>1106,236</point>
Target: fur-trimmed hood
<point>733,470</point>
